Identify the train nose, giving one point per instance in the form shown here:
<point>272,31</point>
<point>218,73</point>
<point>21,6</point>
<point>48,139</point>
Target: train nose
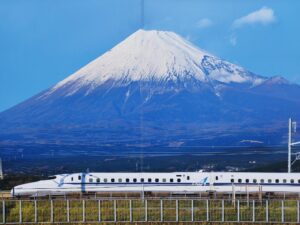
<point>12,192</point>
<point>16,191</point>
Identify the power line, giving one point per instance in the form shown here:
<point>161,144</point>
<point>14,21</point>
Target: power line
<point>141,113</point>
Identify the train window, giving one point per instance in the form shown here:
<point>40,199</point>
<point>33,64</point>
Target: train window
<point>105,180</point>
<point>217,178</point>
<point>232,180</point>
<point>98,180</point>
<point>178,175</point>
<point>149,180</point>
<point>120,180</point>
<point>142,180</point>
<point>156,180</point>
<point>299,181</point>
<point>112,180</point>
<point>247,180</point>
<point>171,180</point>
<point>79,177</point>
<point>240,180</point>
<point>277,181</point>
<point>91,180</point>
<point>262,181</point>
<point>178,180</point>
<point>127,180</point>
<point>284,180</point>
<point>188,177</point>
<point>269,180</point>
<point>254,181</point>
<point>164,180</point>
<point>292,181</point>
<point>72,179</point>
<point>134,180</point>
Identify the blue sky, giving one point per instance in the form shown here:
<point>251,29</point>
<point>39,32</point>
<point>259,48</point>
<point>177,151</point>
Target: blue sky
<point>42,42</point>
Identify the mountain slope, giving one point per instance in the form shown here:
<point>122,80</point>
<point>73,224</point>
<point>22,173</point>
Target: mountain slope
<point>157,85</point>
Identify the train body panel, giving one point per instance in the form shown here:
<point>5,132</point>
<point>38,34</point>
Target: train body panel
<point>239,182</point>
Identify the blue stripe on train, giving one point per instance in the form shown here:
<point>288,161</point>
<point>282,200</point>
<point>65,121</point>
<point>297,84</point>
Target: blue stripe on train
<point>181,184</point>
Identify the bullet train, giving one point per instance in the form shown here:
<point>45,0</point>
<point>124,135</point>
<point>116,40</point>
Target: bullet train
<point>176,182</point>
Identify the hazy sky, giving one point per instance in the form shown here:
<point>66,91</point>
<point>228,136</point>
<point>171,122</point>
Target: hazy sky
<point>42,42</point>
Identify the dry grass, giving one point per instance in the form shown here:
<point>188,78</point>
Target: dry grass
<point>173,223</point>
<point>182,208</point>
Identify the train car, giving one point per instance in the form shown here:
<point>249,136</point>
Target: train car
<point>191,182</point>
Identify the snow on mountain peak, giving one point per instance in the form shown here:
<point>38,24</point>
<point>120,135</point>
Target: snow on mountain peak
<point>155,55</point>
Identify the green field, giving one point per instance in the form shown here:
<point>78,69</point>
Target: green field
<point>150,210</point>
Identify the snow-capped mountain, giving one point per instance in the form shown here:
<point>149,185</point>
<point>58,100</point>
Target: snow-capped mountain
<point>155,56</point>
<point>157,85</point>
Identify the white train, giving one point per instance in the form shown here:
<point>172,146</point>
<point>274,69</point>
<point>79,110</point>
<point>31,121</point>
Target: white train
<point>184,182</point>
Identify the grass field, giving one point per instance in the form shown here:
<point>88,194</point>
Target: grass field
<point>150,210</point>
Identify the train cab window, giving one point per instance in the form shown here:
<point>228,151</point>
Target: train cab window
<point>72,178</point>
<point>240,180</point>
<point>98,180</point>
<point>134,180</point>
<point>178,180</point>
<point>232,180</point>
<point>79,177</point>
<point>142,180</point>
<point>112,180</point>
<point>262,181</point>
<point>105,180</point>
<point>156,180</point>
<point>217,178</point>
<point>277,181</point>
<point>254,181</point>
<point>247,180</point>
<point>292,181</point>
<point>149,180</point>
<point>284,181</point>
<point>299,181</point>
<point>171,180</point>
<point>269,180</point>
<point>127,180</point>
<point>91,180</point>
<point>164,180</point>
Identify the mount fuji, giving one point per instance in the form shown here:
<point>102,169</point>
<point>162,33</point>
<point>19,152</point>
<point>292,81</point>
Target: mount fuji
<point>156,88</point>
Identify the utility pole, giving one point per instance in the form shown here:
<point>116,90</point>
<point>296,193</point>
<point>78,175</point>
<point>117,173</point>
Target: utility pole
<point>1,170</point>
<point>292,124</point>
<point>289,145</point>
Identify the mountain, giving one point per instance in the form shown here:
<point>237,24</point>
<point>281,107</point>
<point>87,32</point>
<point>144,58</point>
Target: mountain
<point>155,88</point>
